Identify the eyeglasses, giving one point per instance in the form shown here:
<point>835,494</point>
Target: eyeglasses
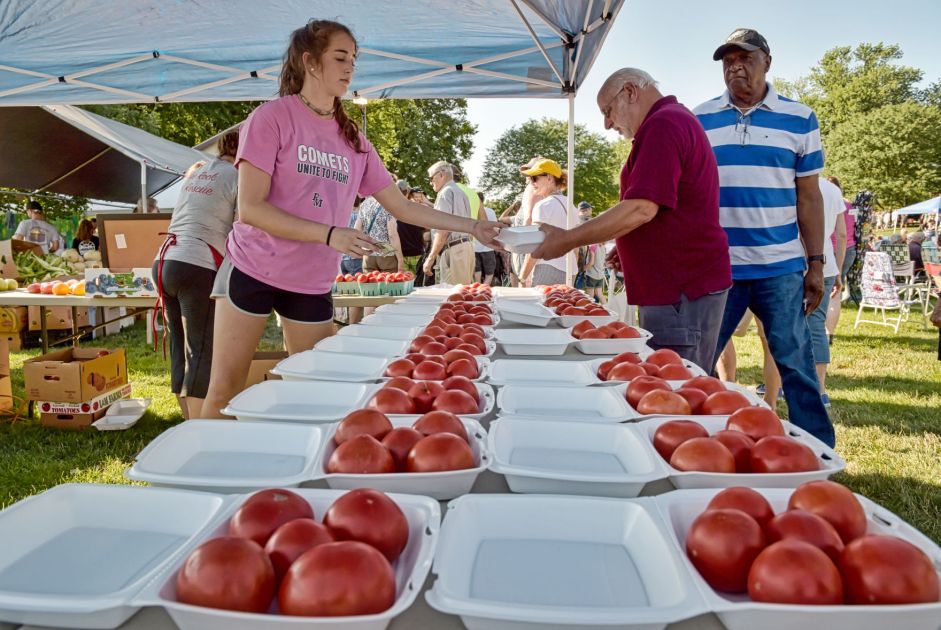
<point>606,112</point>
<point>533,178</point>
<point>431,177</point>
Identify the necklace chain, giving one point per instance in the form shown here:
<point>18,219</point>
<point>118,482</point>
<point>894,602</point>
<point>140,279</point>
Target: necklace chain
<point>320,112</point>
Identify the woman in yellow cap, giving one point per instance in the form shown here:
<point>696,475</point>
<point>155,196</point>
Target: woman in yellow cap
<point>548,181</point>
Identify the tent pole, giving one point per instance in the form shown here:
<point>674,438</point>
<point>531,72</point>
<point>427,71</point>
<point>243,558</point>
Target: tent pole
<point>570,270</point>
<point>143,187</point>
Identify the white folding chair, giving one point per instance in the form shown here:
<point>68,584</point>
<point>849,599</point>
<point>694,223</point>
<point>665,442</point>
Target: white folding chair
<point>881,293</point>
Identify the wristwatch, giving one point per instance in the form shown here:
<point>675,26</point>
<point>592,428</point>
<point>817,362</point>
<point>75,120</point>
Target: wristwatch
<point>818,257</point>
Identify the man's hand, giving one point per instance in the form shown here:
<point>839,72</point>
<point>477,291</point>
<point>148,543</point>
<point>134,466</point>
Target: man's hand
<point>428,267</point>
<point>612,260</point>
<point>555,245</point>
<point>487,231</point>
<point>813,288</point>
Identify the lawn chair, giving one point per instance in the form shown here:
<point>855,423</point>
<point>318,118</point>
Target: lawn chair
<point>881,293</point>
<point>933,270</point>
<point>911,286</point>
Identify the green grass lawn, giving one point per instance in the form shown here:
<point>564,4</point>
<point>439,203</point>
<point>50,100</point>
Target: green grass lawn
<point>885,390</point>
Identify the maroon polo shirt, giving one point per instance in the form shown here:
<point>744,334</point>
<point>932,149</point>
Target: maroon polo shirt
<point>683,249</point>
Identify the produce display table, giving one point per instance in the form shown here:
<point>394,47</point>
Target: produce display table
<point>340,301</point>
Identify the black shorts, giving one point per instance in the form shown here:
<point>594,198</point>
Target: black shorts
<point>485,262</point>
<point>254,297</point>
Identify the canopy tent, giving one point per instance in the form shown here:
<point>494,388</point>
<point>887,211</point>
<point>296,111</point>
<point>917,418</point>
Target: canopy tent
<point>67,150</point>
<point>923,207</point>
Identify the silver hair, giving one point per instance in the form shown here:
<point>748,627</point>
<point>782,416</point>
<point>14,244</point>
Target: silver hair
<point>634,76</point>
<point>441,166</point>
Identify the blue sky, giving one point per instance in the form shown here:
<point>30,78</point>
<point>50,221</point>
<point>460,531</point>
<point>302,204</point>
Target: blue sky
<point>674,40</point>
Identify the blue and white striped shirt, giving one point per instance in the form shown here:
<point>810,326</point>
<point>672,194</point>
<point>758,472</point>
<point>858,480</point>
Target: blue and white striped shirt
<point>759,156</point>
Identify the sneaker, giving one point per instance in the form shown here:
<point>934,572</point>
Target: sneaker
<point>826,400</point>
<point>760,390</point>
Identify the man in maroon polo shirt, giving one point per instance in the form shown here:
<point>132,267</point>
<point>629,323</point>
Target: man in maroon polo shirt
<point>673,252</point>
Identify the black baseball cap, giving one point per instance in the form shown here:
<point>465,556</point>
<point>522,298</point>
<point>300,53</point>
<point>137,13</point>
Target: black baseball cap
<point>745,38</point>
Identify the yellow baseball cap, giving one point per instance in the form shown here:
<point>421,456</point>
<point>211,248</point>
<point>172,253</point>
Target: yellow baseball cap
<point>550,167</point>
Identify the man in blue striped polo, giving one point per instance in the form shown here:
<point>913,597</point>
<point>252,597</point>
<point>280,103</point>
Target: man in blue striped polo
<point>769,155</point>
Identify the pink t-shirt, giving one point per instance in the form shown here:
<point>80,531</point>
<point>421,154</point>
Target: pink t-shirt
<point>315,175</point>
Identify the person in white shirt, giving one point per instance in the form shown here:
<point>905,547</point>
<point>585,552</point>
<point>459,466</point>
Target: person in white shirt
<point>548,180</point>
<point>37,230</point>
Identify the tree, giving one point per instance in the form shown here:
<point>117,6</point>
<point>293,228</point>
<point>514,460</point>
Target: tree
<point>894,151</point>
<point>596,162</point>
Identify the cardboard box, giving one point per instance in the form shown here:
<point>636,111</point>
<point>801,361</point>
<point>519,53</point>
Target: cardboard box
<point>14,341</point>
<point>13,318</point>
<point>6,384</point>
<point>74,375</point>
<point>105,282</point>
<point>79,416</point>
<point>262,363</point>
<point>57,317</point>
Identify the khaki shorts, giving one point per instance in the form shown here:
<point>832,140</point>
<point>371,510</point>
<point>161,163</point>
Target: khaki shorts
<point>456,264</point>
<point>380,263</point>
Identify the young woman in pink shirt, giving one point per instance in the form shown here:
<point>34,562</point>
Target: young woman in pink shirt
<point>301,163</point>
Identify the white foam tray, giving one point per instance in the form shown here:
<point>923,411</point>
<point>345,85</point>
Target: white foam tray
<point>692,367</point>
<point>379,332</point>
<point>541,562</point>
<point>521,240</point>
<point>613,346</point>
<point>363,345</point>
<point>738,612</point>
<point>386,319</point>
<point>830,462</point>
<point>557,457</point>
<point>543,373</point>
<point>596,404</point>
<point>231,457</point>
<point>567,321</point>
<point>517,293</point>
<point>534,341</point>
<point>404,307</point>
<point>78,555</point>
<point>411,569</point>
<point>485,394</point>
<point>299,401</point>
<point>438,485</point>
<point>531,313</point>
<point>122,414</point>
<point>321,365</point>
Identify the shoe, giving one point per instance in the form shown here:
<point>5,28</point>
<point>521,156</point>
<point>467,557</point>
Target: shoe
<point>760,390</point>
<point>829,341</point>
<point>826,400</point>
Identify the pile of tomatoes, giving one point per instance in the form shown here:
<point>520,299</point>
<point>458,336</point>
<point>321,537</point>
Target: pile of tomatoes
<point>435,367</point>
<point>376,276</point>
<point>565,300</point>
<point>753,441</point>
<point>475,292</point>
<point>816,552</point>
<point>663,363</point>
<point>367,443</point>
<point>276,550</point>
<point>402,395</point>
<point>613,330</point>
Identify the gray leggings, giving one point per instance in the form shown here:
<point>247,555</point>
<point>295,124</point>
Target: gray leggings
<point>190,313</point>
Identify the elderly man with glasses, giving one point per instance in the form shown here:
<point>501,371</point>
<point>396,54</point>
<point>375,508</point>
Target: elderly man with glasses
<point>769,155</point>
<point>673,252</point>
<point>454,253</point>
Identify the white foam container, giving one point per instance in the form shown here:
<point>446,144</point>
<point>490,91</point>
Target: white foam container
<point>437,485</point>
<point>533,341</point>
<point>830,462</point>
<point>692,367</point>
<point>411,569</point>
<point>321,365</point>
<point>485,395</point>
<point>596,404</point>
<point>738,612</point>
<point>539,562</point>
<point>122,414</point>
<point>404,307</point>
<point>578,458</point>
<point>543,373</point>
<point>299,401</point>
<point>363,345</point>
<point>230,457</point>
<point>521,240</point>
<point>386,319</point>
<point>516,293</point>
<point>530,313</point>
<point>613,346</point>
<point>78,555</point>
<point>379,332</point>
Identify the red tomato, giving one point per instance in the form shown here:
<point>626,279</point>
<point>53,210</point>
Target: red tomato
<point>581,328</point>
<point>419,342</point>
<point>433,331</point>
<point>371,517</point>
<point>453,330</point>
<point>423,393</point>
<point>400,441</point>
<point>664,356</point>
<point>630,357</point>
<point>651,369</point>
<point>472,349</point>
<point>888,570</point>
<point>834,503</point>
<point>755,422</point>
<point>625,372</point>
<point>597,333</point>
<point>739,445</point>
<point>440,452</point>
<point>464,367</point>
<point>625,332</point>
<point>745,499</point>
<point>462,383</point>
<point>400,382</point>
<point>292,539</point>
<point>661,401</point>
<point>453,355</point>
<point>794,572</point>
<point>400,367</point>
<point>703,455</point>
<point>722,544</point>
<point>808,527</point>
<point>434,347</point>
<point>476,329</point>
<point>643,384</point>
<point>779,454</point>
<point>483,320</point>
<point>440,422</point>
<point>392,400</point>
<point>436,358</point>
<point>465,318</point>
<point>361,455</point>
<point>708,384</point>
<point>415,357</point>
<point>230,573</point>
<point>452,343</point>
<point>348,278</point>
<point>724,403</point>
<point>695,398</point>
<point>473,339</point>
<point>605,368</point>
<point>675,372</point>
<point>339,278</point>
<point>671,434</point>
<point>338,579</point>
<point>456,401</point>
<point>266,511</point>
<point>368,421</point>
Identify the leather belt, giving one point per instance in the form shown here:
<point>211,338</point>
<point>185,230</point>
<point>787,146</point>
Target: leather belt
<point>456,241</point>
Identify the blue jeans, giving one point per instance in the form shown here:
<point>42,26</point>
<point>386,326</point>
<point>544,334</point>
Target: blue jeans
<point>817,322</point>
<point>779,303</point>
<point>351,265</point>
